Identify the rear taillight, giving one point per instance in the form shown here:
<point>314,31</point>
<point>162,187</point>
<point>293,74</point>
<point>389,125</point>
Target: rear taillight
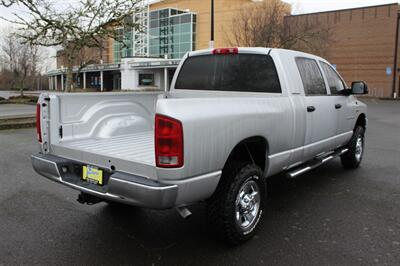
<point>38,125</point>
<point>219,51</point>
<point>168,142</point>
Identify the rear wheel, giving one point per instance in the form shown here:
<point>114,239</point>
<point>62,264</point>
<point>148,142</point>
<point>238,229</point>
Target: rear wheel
<point>352,159</point>
<point>236,207</point>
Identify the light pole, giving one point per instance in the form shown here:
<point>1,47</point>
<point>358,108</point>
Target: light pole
<point>212,25</point>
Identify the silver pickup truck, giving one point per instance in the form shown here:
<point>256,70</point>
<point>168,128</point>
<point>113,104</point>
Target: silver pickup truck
<point>232,118</point>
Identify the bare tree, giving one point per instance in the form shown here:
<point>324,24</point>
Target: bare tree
<point>26,64</point>
<point>73,27</point>
<point>267,24</point>
<point>22,60</point>
<point>8,57</point>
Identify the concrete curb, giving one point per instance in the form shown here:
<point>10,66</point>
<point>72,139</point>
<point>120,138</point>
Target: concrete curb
<point>390,99</point>
<point>11,117</point>
<point>25,103</point>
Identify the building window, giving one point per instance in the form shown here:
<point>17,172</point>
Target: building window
<point>172,33</point>
<point>94,81</point>
<point>128,39</point>
<point>146,79</point>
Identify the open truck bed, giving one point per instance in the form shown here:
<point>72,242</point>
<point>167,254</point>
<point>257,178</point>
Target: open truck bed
<point>138,147</point>
<point>111,130</point>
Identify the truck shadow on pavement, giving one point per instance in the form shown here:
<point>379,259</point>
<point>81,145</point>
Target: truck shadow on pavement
<point>167,235</point>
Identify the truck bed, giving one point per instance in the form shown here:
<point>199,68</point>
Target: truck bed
<point>110,131</point>
<point>138,147</point>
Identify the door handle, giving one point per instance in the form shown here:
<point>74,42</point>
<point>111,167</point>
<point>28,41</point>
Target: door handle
<point>338,106</point>
<point>310,109</point>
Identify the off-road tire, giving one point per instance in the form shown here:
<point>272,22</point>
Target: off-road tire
<point>352,159</point>
<point>221,206</point>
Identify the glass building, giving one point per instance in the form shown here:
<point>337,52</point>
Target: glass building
<point>172,32</point>
<point>131,41</point>
<point>123,48</point>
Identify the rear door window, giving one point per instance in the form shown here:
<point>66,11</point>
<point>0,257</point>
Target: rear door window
<point>230,72</point>
<point>311,76</point>
<point>336,84</point>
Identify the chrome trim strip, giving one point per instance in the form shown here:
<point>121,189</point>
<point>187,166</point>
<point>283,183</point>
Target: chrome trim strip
<point>300,171</point>
<point>316,164</point>
<point>327,158</point>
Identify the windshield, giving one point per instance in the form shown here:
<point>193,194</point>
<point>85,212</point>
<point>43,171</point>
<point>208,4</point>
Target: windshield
<point>230,72</point>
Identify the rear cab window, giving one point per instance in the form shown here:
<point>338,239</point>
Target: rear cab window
<point>229,72</point>
<point>335,82</point>
<point>311,77</point>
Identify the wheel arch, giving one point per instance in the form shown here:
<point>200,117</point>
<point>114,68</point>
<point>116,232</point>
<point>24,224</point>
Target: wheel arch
<point>253,150</point>
<point>361,121</point>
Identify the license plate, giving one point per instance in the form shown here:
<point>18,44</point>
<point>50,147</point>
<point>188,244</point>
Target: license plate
<point>92,174</point>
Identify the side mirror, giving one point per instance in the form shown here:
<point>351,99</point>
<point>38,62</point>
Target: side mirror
<point>359,87</point>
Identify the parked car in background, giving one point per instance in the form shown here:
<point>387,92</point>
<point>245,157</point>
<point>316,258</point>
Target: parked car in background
<point>232,118</point>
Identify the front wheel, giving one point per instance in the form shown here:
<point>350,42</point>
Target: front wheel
<point>236,207</point>
<point>352,159</point>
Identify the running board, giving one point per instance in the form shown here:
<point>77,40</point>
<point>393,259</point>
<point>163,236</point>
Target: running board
<point>314,164</point>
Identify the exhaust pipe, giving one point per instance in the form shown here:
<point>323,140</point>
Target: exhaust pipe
<point>184,212</point>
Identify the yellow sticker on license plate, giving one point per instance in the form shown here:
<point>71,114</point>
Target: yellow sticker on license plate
<point>92,175</point>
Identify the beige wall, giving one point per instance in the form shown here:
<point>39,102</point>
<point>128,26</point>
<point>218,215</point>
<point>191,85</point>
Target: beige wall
<point>225,10</point>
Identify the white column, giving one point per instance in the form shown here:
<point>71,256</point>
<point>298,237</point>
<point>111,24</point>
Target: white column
<point>211,45</point>
<point>50,83</point>
<point>166,79</point>
<point>84,80</point>
<point>56,82</point>
<point>101,80</point>
<point>62,82</point>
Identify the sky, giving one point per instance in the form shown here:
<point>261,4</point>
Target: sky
<point>298,7</point>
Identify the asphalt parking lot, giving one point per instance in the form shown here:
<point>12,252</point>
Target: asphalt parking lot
<point>329,216</point>
<point>15,110</point>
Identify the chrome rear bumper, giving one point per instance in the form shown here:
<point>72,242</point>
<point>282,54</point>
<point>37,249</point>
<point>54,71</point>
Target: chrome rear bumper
<point>121,187</point>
